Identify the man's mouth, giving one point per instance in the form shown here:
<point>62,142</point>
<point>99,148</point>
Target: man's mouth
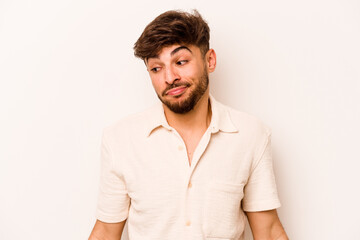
<point>176,91</point>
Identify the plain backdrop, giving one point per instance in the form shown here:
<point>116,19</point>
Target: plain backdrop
<point>67,70</point>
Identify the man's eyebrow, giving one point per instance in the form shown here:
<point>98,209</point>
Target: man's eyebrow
<point>156,57</point>
<point>178,49</point>
<point>172,52</point>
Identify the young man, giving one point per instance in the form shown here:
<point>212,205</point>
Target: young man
<point>190,167</point>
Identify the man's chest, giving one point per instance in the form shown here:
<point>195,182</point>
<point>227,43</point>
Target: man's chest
<point>159,165</point>
<point>162,186</point>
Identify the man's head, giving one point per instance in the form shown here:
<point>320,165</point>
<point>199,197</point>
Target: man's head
<point>170,28</point>
<point>175,49</point>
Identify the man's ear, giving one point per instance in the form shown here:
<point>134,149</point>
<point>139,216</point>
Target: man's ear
<point>211,60</point>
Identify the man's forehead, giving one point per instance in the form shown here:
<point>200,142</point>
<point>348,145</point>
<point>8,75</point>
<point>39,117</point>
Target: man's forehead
<point>172,50</point>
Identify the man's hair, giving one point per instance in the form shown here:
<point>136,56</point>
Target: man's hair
<point>173,27</point>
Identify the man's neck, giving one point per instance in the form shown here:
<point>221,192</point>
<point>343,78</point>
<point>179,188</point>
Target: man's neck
<point>198,119</point>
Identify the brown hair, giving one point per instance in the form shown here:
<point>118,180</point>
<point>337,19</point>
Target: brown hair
<point>173,27</point>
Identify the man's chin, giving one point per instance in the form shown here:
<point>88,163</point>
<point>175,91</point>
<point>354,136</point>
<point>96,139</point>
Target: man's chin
<point>180,107</point>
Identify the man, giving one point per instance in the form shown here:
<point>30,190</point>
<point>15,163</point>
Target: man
<point>190,167</point>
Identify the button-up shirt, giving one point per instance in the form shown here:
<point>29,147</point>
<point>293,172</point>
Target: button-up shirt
<point>146,177</point>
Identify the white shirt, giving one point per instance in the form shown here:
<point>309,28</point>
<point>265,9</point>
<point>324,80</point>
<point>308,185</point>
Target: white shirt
<point>146,177</point>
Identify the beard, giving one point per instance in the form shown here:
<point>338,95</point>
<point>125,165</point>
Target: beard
<point>189,103</point>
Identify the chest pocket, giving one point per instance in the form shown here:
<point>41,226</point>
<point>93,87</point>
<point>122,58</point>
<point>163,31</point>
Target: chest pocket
<point>222,213</point>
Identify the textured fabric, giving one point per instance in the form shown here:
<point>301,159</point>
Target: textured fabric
<point>146,177</point>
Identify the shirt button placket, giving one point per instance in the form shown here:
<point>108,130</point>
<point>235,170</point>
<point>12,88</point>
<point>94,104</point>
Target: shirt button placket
<point>188,223</point>
<point>188,200</point>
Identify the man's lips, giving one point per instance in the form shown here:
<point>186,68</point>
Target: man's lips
<point>176,91</point>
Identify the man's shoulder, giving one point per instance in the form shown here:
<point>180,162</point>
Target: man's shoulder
<point>246,122</point>
<point>131,124</point>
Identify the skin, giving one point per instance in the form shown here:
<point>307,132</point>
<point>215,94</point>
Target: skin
<point>176,74</point>
<point>187,88</point>
<point>107,231</point>
<point>186,66</point>
<point>266,225</point>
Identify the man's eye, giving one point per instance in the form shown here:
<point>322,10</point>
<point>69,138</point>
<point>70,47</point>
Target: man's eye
<point>182,62</point>
<point>155,69</point>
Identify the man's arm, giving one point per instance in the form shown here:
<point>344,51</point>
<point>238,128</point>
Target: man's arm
<point>265,225</point>
<point>107,231</point>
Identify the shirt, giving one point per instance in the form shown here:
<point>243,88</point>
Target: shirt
<point>146,177</point>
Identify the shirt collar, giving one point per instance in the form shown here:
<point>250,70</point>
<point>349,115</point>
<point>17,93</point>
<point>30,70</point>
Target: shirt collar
<point>220,119</point>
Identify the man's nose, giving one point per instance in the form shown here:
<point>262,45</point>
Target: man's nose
<point>171,75</point>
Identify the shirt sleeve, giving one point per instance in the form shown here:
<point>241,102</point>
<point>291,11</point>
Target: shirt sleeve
<point>113,200</point>
<point>260,192</point>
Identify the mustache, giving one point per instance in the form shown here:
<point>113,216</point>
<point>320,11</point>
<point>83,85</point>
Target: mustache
<point>175,85</point>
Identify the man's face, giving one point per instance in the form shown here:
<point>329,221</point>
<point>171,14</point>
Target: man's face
<point>179,75</point>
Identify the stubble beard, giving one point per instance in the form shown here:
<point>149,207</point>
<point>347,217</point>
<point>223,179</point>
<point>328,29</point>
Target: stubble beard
<point>189,103</point>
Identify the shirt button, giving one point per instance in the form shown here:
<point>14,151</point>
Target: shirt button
<point>190,185</point>
<point>188,223</point>
<point>180,148</point>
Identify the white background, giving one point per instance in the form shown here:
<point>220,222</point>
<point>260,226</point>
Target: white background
<point>67,70</point>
